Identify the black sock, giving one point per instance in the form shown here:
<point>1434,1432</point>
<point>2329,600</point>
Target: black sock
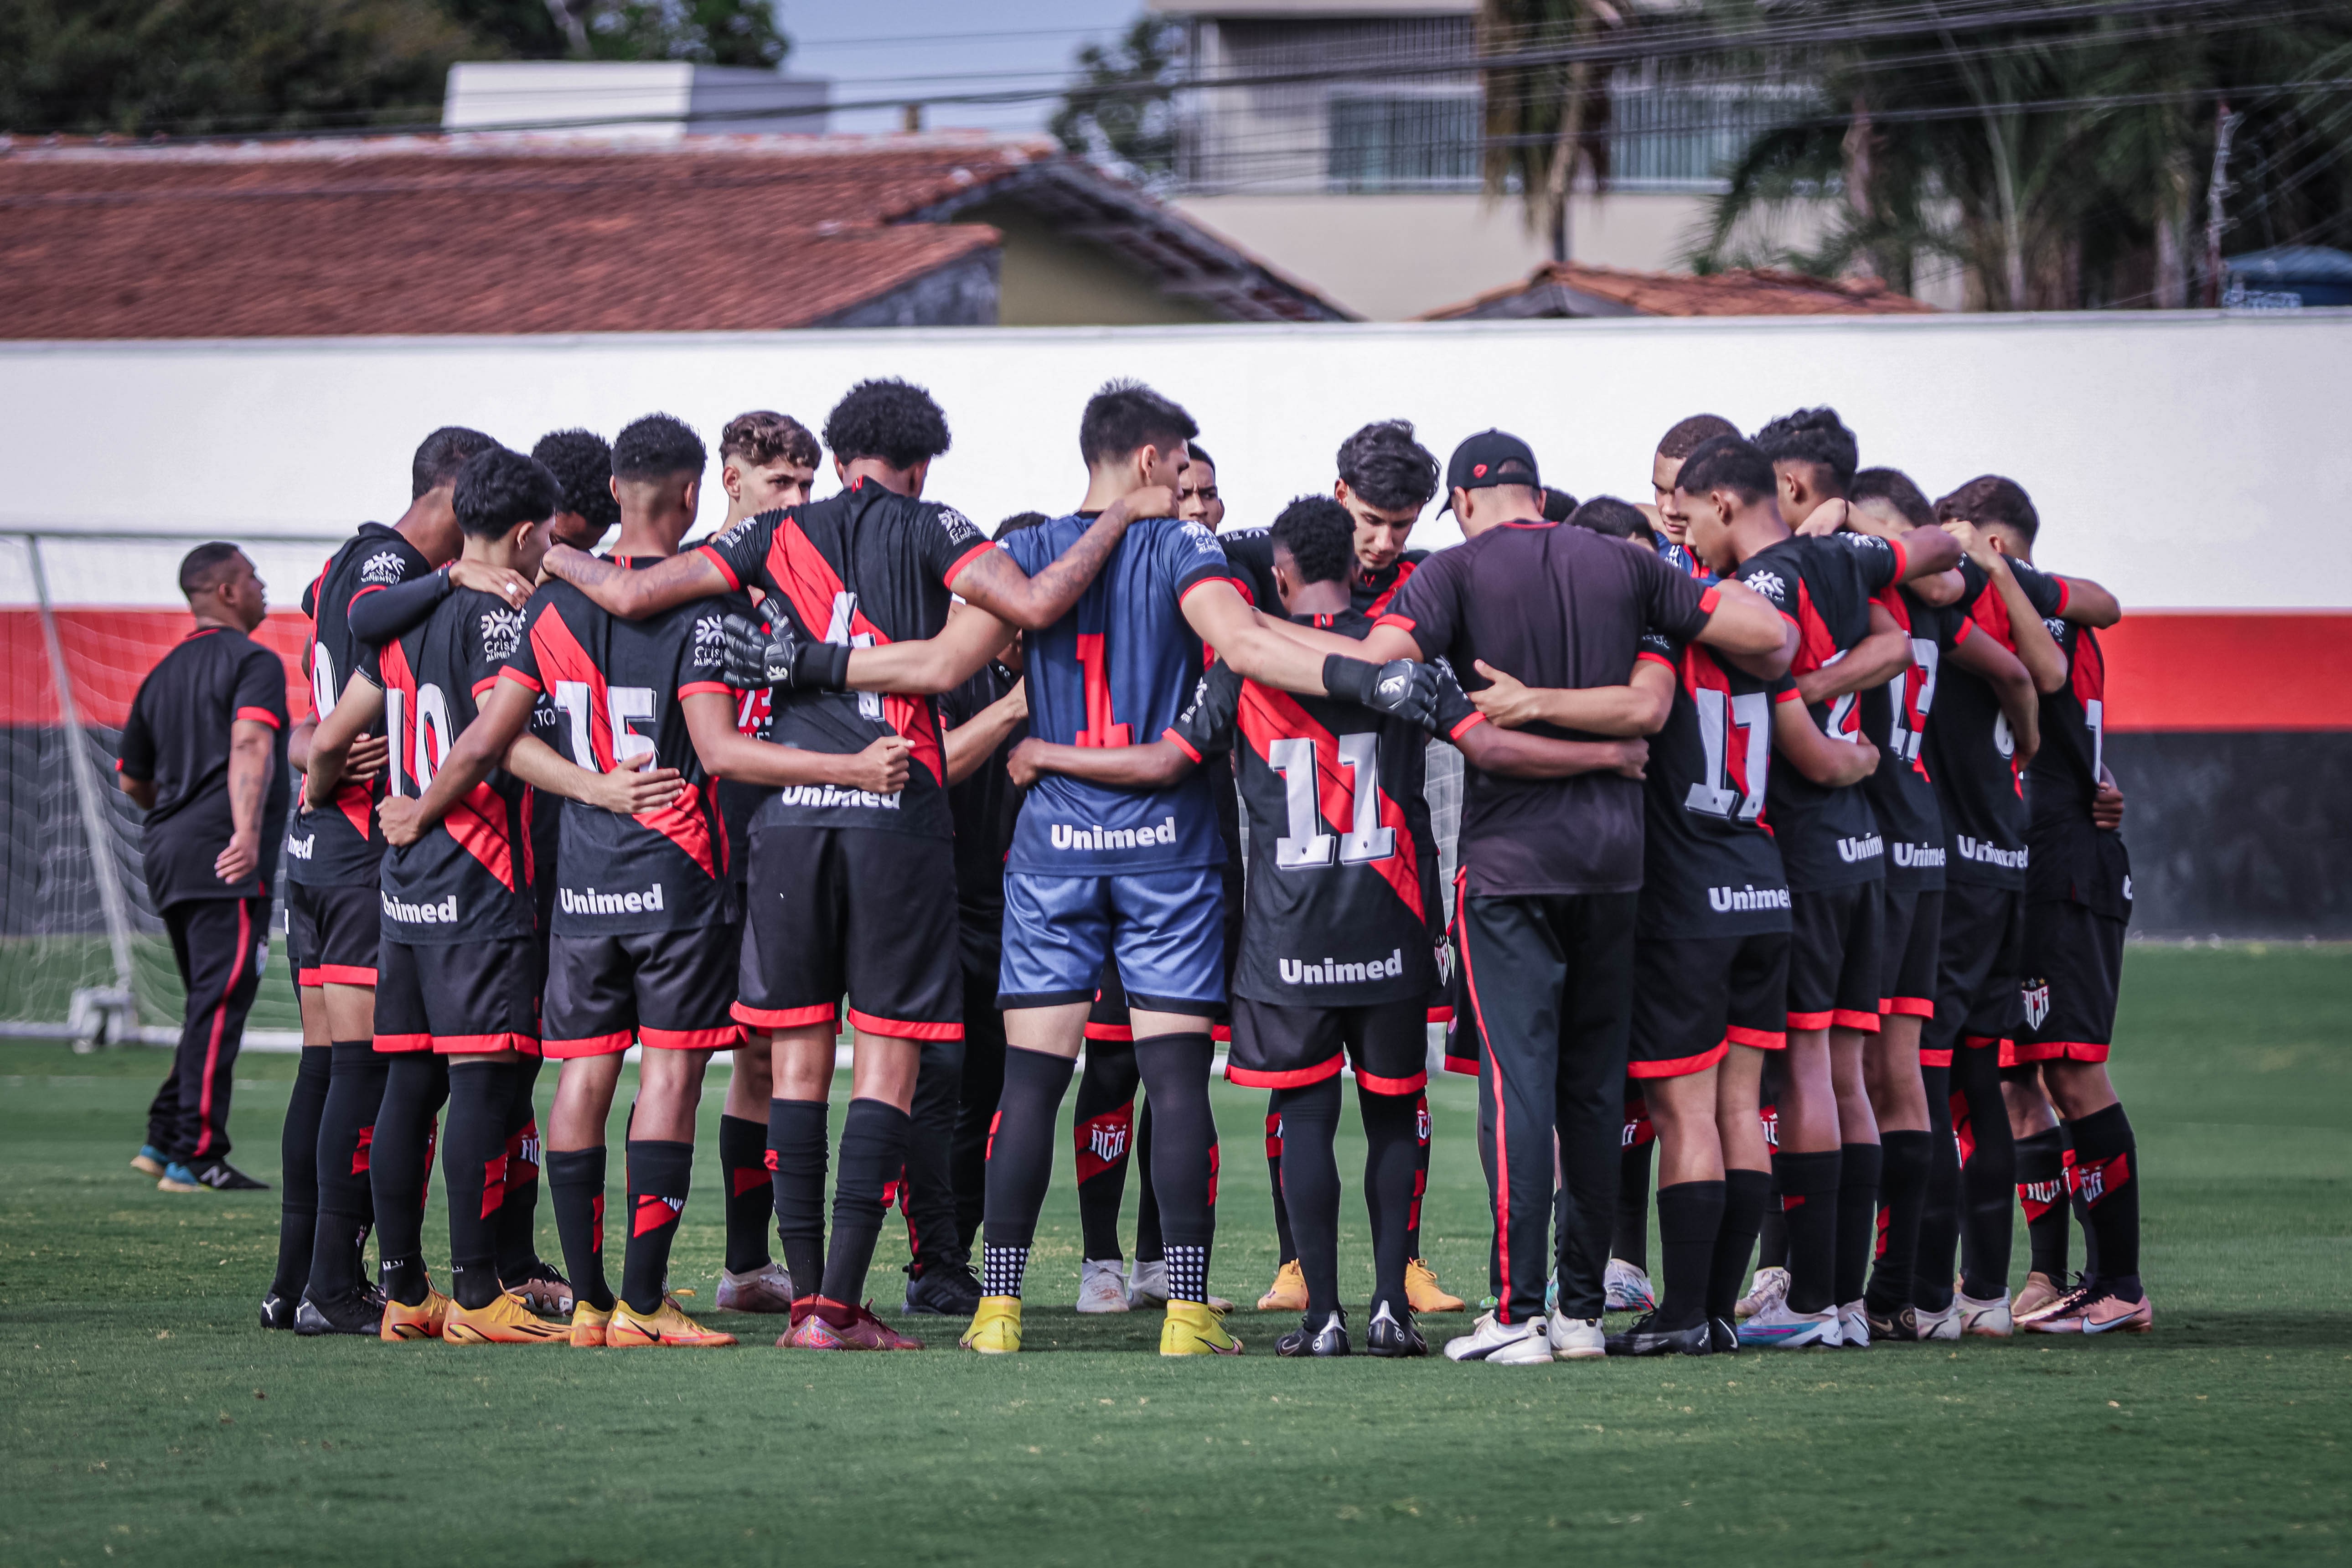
<point>796,1145</point>
<point>400,1168</point>
<point>1302,1125</point>
<point>1175,1069</point>
<point>576,1186</point>
<point>1772,1233</point>
<point>346,1146</point>
<point>298,1155</point>
<point>1395,1152</point>
<point>873,1151</point>
<point>2107,1172</point>
<point>474,1164</point>
<point>1019,1164</point>
<point>1630,1237</point>
<point>2081,1210</point>
<point>1690,1218</point>
<point>1420,1172</point>
<point>1903,1193</point>
<point>660,1172</point>
<point>750,1195</point>
<point>1989,1177</point>
<point>1286,1245</point>
<point>1940,1213</point>
<point>1102,1132</point>
<point>1745,1195</point>
<point>1809,1189</point>
<point>1147,1244</point>
<point>1857,1221</point>
<point>2041,1193</point>
<point>518,1212</point>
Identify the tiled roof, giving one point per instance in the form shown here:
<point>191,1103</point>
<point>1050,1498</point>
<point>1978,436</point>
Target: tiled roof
<point>484,233</point>
<point>1573,289</point>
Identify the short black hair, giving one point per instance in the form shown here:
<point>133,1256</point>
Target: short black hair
<point>1320,536</point>
<point>894,420</point>
<point>498,488</point>
<point>764,436</point>
<point>203,567</point>
<point>656,447</point>
<point>1726,463</point>
<point>1689,435</point>
<point>1199,453</point>
<point>1814,435</point>
<point>1607,514</point>
<point>1991,499</point>
<point>1894,487</point>
<point>441,455</point>
<point>582,464</point>
<point>1559,506</point>
<point>1021,521</point>
<point>1383,464</point>
<point>1127,416</point>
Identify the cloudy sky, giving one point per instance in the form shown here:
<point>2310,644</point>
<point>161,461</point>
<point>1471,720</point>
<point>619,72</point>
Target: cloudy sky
<point>876,49</point>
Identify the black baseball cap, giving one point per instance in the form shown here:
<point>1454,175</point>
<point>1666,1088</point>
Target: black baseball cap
<point>1481,461</point>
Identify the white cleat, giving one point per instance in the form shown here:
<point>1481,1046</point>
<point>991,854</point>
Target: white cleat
<point>1944,1324</point>
<point>1778,1327</point>
<point>1102,1286</point>
<point>766,1289</point>
<point>1146,1283</point>
<point>1770,1286</point>
<point>1628,1288</point>
<point>1502,1344</point>
<point>1577,1338</point>
<point>1854,1326</point>
<point>1984,1320</point>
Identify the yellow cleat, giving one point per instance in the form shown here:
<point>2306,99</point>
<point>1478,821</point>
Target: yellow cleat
<point>505,1321</point>
<point>425,1321</point>
<point>589,1324</point>
<point>1193,1328</point>
<point>668,1326</point>
<point>1423,1293</point>
<point>995,1328</point>
<point>1286,1294</point>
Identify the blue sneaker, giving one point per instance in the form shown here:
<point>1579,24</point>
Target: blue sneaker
<point>150,1161</point>
<point>1780,1327</point>
<point>178,1178</point>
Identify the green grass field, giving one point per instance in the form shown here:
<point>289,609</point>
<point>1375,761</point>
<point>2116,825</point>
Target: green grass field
<point>144,1418</point>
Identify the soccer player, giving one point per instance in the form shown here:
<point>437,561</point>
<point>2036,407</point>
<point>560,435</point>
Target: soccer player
<point>203,755</point>
<point>1674,449</point>
<point>1551,868</point>
<point>458,967</point>
<point>843,878</point>
<point>1197,499</point>
<point>1350,870</point>
<point>332,857</point>
<point>1831,851</point>
<point>766,460</point>
<point>581,462</point>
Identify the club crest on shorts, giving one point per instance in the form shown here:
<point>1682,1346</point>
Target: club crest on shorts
<point>2037,1003</point>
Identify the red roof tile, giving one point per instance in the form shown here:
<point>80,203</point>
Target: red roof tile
<point>1762,291</point>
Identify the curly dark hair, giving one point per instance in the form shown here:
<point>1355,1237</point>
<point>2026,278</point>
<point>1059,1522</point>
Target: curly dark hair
<point>1894,487</point>
<point>1815,435</point>
<point>1727,463</point>
<point>441,455</point>
<point>1320,536</point>
<point>1607,514</point>
<point>498,488</point>
<point>1689,435</point>
<point>1559,506</point>
<point>1019,522</point>
<point>764,436</point>
<point>1127,415</point>
<point>582,464</point>
<point>1383,464</point>
<point>1991,499</point>
<point>656,447</point>
<point>894,420</point>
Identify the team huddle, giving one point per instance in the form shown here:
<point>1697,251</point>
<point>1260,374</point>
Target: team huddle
<point>1787,857</point>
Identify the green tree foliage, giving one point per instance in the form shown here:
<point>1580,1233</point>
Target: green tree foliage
<point>1121,113</point>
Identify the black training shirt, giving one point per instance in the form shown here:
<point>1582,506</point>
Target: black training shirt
<point>178,737</point>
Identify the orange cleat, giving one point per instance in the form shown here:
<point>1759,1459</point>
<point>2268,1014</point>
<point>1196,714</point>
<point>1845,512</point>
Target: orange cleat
<point>505,1321</point>
<point>665,1326</point>
<point>425,1321</point>
<point>589,1325</point>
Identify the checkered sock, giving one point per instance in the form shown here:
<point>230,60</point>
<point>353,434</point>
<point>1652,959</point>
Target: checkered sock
<point>1188,1273</point>
<point>1002,1268</point>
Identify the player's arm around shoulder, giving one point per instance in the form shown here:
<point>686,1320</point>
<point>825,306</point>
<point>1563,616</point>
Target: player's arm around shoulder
<point>923,668</point>
<point>727,753</point>
<point>1832,764</point>
<point>992,579</point>
<point>633,595</point>
<point>360,707</point>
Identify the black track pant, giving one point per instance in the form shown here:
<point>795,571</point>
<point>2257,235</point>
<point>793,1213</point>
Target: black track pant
<point>982,1083</point>
<point>218,944</point>
<point>1550,980</point>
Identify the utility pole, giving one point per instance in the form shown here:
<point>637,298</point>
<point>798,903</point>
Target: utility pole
<point>2218,188</point>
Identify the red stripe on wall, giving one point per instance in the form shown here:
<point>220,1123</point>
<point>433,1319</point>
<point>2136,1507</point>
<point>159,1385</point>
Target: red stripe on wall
<point>108,653</point>
<point>2187,670</point>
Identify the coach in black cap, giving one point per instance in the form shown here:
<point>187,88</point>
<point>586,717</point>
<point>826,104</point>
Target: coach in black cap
<point>203,754</point>
<point>1552,866</point>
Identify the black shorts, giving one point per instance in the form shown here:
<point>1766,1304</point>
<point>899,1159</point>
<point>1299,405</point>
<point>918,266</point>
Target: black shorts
<point>853,910</point>
<point>1108,1019</point>
<point>1836,935</point>
<point>1696,997</point>
<point>2073,971</point>
<point>1913,945</point>
<point>674,989</point>
<point>458,998</point>
<point>1289,1047</point>
<point>1978,971</point>
<point>335,930</point>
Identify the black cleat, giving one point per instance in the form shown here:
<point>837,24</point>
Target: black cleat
<point>543,1289</point>
<point>942,1291</point>
<point>277,1311</point>
<point>1385,1336</point>
<point>358,1315</point>
<point>223,1177</point>
<point>1722,1337</point>
<point>1646,1338</point>
<point>1330,1340</point>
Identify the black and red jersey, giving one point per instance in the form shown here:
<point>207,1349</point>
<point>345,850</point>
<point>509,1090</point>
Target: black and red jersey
<point>861,569</point>
<point>1828,838</point>
<point>1972,757</point>
<point>468,878</point>
<point>2073,860</point>
<point>1895,717</point>
<point>1251,553</point>
<point>1343,904</point>
<point>618,689</point>
<point>1710,866</point>
<point>986,806</point>
<point>177,738</point>
<point>340,845</point>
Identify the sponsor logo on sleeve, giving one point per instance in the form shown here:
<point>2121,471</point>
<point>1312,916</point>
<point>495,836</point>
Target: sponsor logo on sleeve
<point>959,529</point>
<point>383,568</point>
<point>1770,584</point>
<point>501,633</point>
<point>709,650</point>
